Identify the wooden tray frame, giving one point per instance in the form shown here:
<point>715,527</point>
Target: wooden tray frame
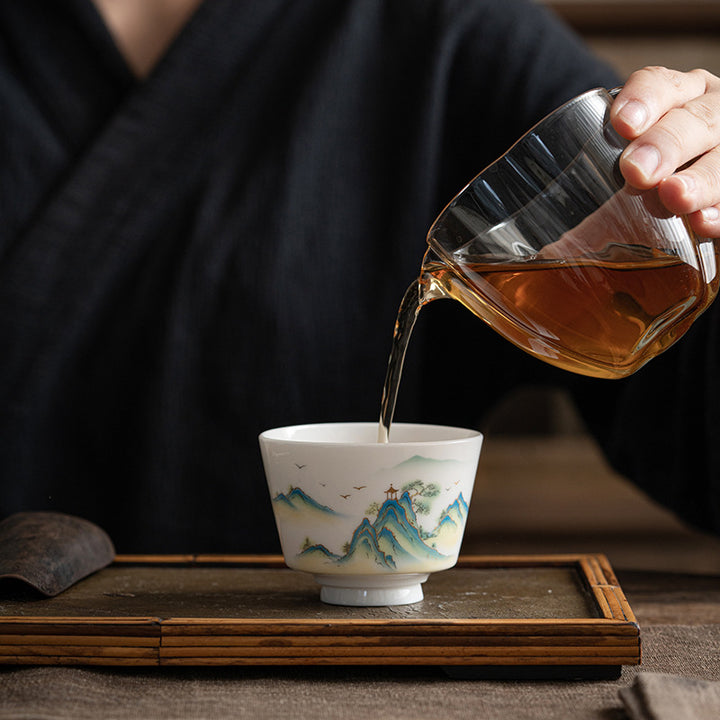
<point>605,642</point>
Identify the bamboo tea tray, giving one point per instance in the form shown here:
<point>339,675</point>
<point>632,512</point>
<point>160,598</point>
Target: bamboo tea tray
<point>560,612</point>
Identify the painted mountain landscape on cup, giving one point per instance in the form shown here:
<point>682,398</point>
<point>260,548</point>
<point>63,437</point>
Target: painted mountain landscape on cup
<point>416,526</point>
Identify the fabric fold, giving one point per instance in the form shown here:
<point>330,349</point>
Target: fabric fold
<point>660,696</point>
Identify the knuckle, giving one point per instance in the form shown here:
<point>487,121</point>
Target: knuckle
<point>704,113</point>
<point>670,137</point>
<point>674,77</point>
<point>706,174</point>
<point>653,73</point>
<point>710,177</point>
<point>707,78</point>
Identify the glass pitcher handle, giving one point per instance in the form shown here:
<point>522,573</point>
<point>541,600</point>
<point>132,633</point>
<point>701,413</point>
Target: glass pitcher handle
<point>611,136</point>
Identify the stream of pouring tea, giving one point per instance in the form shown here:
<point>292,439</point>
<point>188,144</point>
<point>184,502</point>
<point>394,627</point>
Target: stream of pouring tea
<point>407,315</point>
<point>420,292</point>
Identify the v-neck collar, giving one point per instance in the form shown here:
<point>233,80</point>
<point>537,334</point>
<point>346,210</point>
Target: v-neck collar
<point>97,31</point>
<point>98,27</point>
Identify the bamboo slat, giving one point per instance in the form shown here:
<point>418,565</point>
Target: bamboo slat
<point>38,634</point>
<point>509,661</point>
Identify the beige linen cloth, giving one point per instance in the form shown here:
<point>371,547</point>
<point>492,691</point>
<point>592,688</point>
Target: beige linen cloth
<point>658,696</point>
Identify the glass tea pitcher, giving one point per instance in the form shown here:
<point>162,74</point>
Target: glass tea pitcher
<point>552,249</point>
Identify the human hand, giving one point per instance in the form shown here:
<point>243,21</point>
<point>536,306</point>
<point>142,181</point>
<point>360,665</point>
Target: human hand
<point>672,119</point>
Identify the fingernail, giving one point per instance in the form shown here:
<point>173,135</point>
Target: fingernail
<point>687,182</point>
<point>634,114</point>
<point>645,158</point>
<point>710,214</point>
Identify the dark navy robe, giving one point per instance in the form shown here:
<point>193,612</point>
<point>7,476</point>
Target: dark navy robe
<point>221,248</point>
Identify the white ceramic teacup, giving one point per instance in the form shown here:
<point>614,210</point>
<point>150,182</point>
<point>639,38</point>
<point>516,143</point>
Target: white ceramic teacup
<point>370,520</point>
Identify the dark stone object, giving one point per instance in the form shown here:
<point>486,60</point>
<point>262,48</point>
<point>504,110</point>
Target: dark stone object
<point>51,551</point>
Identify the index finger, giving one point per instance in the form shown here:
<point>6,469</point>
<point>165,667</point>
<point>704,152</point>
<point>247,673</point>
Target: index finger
<point>648,94</point>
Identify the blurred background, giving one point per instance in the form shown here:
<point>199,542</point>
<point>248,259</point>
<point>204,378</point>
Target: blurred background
<point>543,485</point>
<point>681,34</point>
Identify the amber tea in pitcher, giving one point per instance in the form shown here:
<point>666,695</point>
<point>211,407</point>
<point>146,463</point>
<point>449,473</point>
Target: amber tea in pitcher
<point>600,315</point>
<point>551,249</point>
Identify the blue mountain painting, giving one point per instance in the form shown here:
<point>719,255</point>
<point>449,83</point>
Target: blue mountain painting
<point>419,460</point>
<point>393,537</point>
<point>321,550</point>
<point>299,500</point>
<point>364,546</point>
<point>456,512</point>
<point>402,525</point>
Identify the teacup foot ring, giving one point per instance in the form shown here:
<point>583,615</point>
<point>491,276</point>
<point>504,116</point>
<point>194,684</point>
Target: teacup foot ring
<point>371,590</point>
